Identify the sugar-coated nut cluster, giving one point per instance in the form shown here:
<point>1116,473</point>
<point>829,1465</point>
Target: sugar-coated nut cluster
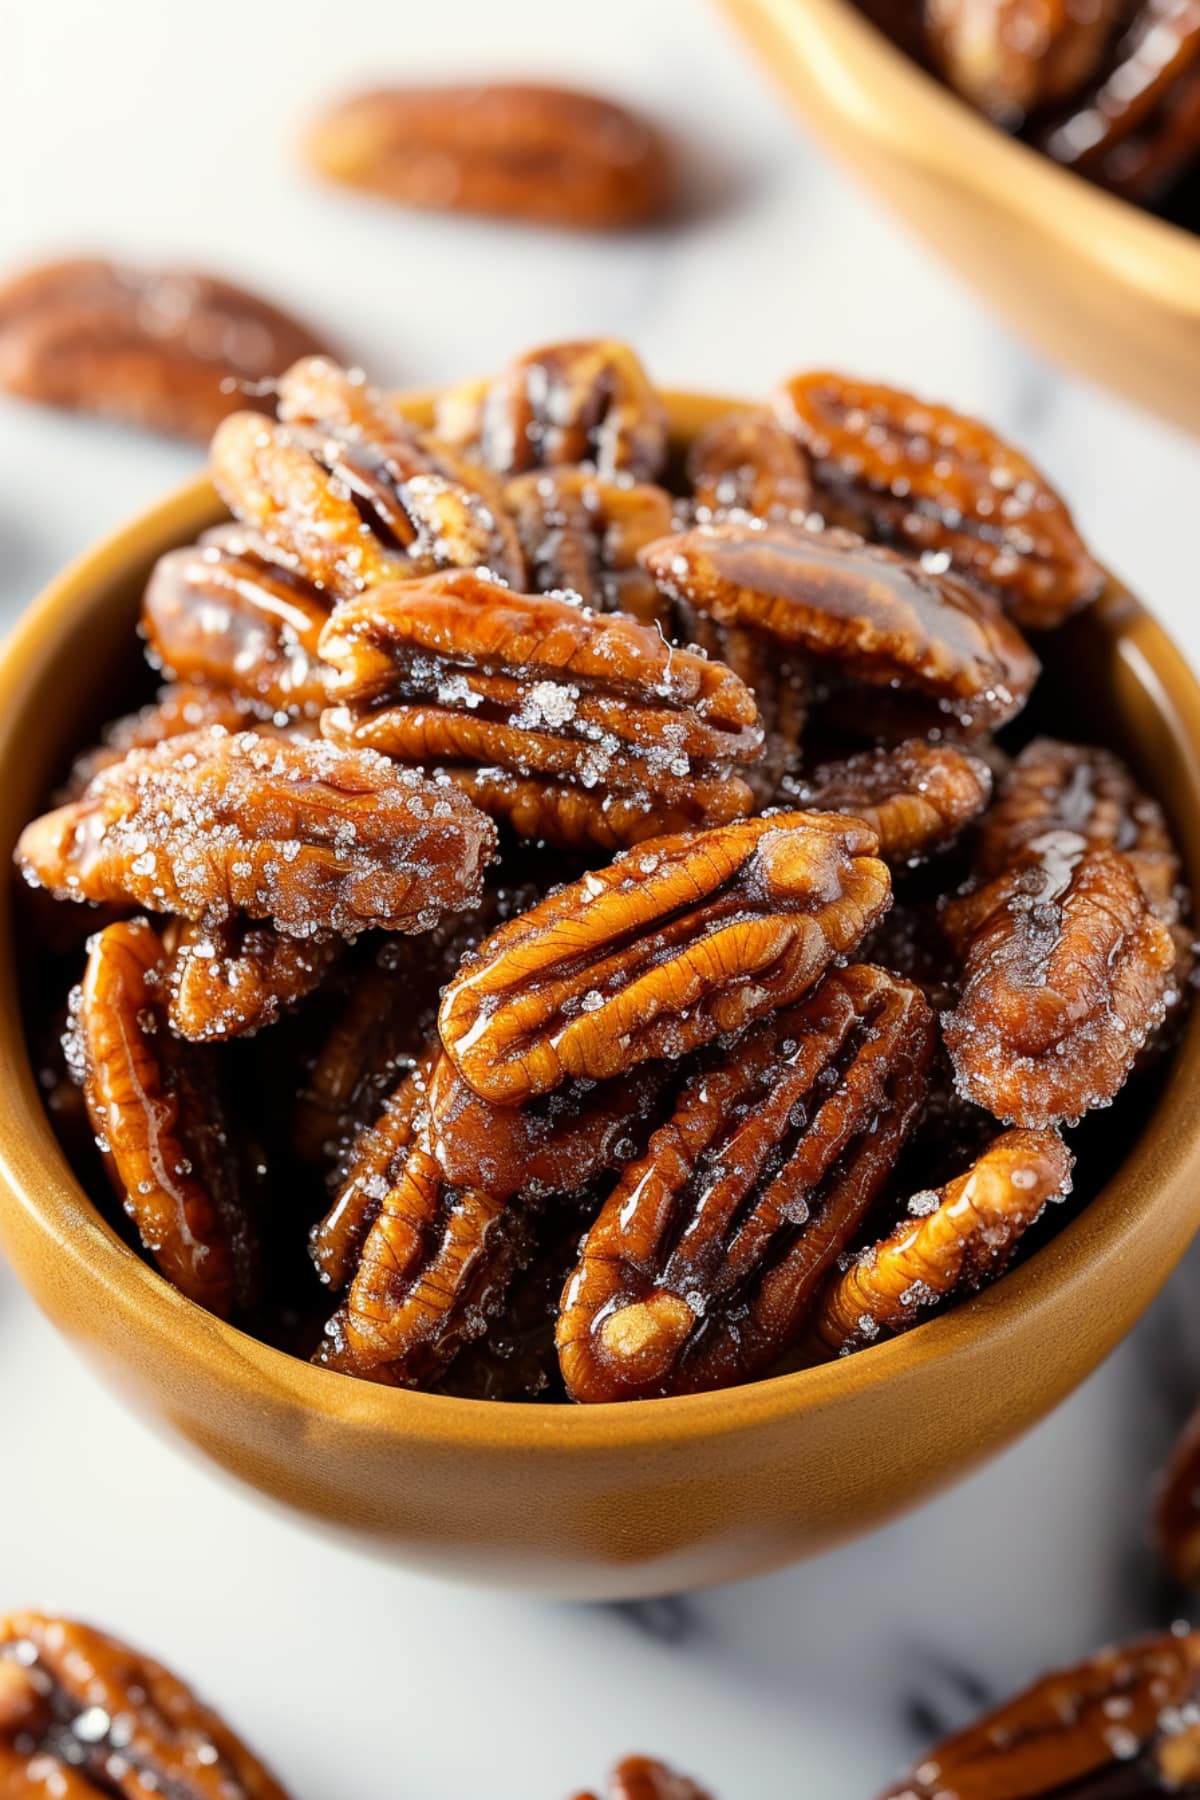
<point>577,888</point>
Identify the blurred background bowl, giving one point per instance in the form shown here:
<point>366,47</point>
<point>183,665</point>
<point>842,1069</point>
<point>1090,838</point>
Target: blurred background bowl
<point>1094,281</point>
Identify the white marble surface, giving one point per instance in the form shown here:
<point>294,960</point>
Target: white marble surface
<point>166,131</point>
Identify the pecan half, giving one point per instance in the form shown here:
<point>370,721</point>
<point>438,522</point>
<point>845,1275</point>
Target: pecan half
<point>642,1778</point>
<point>83,1715</point>
<point>674,944</point>
<point>953,1241</point>
<point>584,534</point>
<point>224,612</point>
<point>517,150</point>
<point>748,463</point>
<point>228,977</point>
<point>159,1116</point>
<point>314,838</point>
<point>868,611</point>
<point>347,492</point>
<point>179,707</point>
<point>917,797</point>
<point>1066,970</point>
<point>169,349</point>
<point>1123,1723</point>
<point>1010,57</point>
<point>933,480</point>
<point>455,670</point>
<point>1177,1507</point>
<point>709,1252</point>
<point>582,402</point>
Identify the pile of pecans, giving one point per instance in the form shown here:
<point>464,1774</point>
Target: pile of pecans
<point>576,881</point>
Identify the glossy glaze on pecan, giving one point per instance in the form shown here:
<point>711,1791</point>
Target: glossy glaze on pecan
<point>456,671</point>
<point>229,977</point>
<point>746,463</point>
<point>1011,57</point>
<point>1066,972</point>
<point>677,942</point>
<point>867,611</point>
<point>516,150</point>
<point>1122,1724</point>
<point>82,1715</point>
<point>169,349</point>
<point>917,797</point>
<point>314,838</point>
<point>588,402</point>
<point>951,1242</point>
<point>224,613</point>
<point>159,1116</point>
<point>178,708</point>
<point>933,481</point>
<point>583,534</point>
<point>642,1778</point>
<point>709,1253</point>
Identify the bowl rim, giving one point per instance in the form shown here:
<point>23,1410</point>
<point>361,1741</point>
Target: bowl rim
<point>847,49</point>
<point>35,1176</point>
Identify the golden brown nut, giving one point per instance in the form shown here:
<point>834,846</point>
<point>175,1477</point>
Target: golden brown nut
<point>82,1715</point>
<point>1123,1723</point>
<point>316,839</point>
<point>748,463</point>
<point>582,402</point>
<point>178,708</point>
<point>708,1254</point>
<point>917,796</point>
<point>954,1240</point>
<point>641,1778</point>
<point>584,534</point>
<point>227,977</point>
<point>1066,971</point>
<point>1009,57</point>
<point>170,349</point>
<point>456,672</point>
<point>224,613</point>
<point>158,1112</point>
<point>676,943</point>
<point>934,481</point>
<point>867,611</point>
<point>513,149</point>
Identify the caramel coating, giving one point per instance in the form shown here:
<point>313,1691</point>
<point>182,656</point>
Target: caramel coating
<point>642,1778</point>
<point>916,797</point>
<point>954,1240</point>
<point>180,707</point>
<point>746,463</point>
<point>171,350</point>
<point>1010,57</point>
<point>882,619</point>
<point>227,978</point>
<point>706,1257</point>
<point>157,1110</point>
<point>932,480</point>
<point>585,402</point>
<point>516,150</point>
<point>313,838</point>
<point>1066,971</point>
<point>84,1716</point>
<point>1121,1723</point>
<point>583,534</point>
<point>674,944</point>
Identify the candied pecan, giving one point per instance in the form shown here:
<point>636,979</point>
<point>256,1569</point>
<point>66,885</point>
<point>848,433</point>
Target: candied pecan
<point>1009,57</point>
<point>314,838</point>
<point>178,708</point>
<point>169,349</point>
<point>583,534</point>
<point>1177,1507</point>
<point>1121,1724</point>
<point>1137,128</point>
<point>84,1715</point>
<point>708,1254</point>
<point>642,1778</point>
<point>159,1116</point>
<point>1066,970</point>
<point>224,612</point>
<point>1057,791</point>
<point>517,150</point>
<point>674,944</point>
<point>542,810</point>
<point>457,670</point>
<point>748,463</point>
<point>870,612</point>
<point>932,480</point>
<point>582,402</point>
<point>228,977</point>
<point>953,1241</point>
<point>917,796</point>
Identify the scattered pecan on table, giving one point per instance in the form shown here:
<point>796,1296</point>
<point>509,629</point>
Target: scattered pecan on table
<point>570,923</point>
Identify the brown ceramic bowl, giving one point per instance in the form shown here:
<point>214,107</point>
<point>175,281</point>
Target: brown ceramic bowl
<point>653,1496</point>
<point>1096,282</point>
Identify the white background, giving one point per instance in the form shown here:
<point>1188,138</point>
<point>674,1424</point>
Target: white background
<point>167,132</point>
